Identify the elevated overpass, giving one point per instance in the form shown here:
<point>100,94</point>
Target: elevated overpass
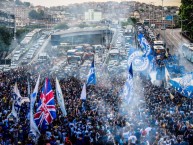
<point>82,35</point>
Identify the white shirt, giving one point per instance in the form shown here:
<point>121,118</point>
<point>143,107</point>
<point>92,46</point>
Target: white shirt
<point>133,139</point>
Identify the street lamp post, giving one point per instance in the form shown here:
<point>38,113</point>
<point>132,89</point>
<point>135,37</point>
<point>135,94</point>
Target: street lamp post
<point>152,9</point>
<point>162,13</point>
<point>172,25</point>
<point>149,17</point>
<point>163,23</point>
<point>15,20</point>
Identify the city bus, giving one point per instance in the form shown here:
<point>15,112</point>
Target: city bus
<point>187,50</point>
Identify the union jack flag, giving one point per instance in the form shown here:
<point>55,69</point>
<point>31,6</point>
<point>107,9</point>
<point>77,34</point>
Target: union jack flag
<point>46,111</point>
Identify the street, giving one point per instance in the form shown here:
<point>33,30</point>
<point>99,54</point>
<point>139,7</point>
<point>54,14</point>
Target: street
<point>174,42</point>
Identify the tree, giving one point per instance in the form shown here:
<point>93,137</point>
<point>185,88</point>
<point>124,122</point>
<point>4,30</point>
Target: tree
<point>18,2</point>
<point>83,25</point>
<point>33,14</point>
<point>5,38</point>
<point>186,13</point>
<point>20,34</point>
<point>27,4</point>
<point>61,26</point>
<point>131,21</point>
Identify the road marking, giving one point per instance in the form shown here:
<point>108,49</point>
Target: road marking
<point>173,36</point>
<point>168,38</point>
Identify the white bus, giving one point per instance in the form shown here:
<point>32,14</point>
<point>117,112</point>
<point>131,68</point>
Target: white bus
<point>187,50</point>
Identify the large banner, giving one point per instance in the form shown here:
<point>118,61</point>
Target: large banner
<point>144,44</point>
<point>139,61</point>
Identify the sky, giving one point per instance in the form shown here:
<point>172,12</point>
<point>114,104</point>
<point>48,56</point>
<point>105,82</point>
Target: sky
<point>49,3</point>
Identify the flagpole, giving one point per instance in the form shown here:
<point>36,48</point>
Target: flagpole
<point>28,89</point>
<point>28,84</point>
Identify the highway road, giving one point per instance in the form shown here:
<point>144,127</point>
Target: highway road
<point>41,49</point>
<point>174,42</point>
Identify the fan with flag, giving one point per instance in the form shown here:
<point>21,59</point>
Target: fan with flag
<point>128,87</point>
<point>46,111</point>
<point>91,80</point>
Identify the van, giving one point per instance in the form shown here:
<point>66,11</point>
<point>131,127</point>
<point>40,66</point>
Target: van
<point>16,57</point>
<point>29,56</point>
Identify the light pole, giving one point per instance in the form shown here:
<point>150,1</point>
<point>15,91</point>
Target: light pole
<point>172,24</point>
<point>162,12</point>
<point>152,9</point>
<point>149,17</point>
<point>163,24</point>
<point>15,20</point>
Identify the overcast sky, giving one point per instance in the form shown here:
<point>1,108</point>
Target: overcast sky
<point>49,3</point>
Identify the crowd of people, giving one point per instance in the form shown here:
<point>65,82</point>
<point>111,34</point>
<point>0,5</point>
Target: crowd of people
<point>152,117</point>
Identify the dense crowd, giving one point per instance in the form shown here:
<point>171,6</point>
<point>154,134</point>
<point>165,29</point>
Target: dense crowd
<point>152,117</point>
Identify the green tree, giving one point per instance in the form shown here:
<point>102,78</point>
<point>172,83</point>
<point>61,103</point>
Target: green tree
<point>18,2</point>
<point>33,14</point>
<point>27,4</point>
<point>20,34</point>
<point>6,37</point>
<point>186,13</point>
<point>132,20</point>
<point>61,26</point>
<point>83,25</point>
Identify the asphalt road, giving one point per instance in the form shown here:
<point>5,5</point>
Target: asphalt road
<point>41,49</point>
<point>174,42</point>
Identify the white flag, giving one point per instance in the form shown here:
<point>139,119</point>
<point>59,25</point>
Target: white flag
<point>167,75</point>
<point>18,98</point>
<point>83,93</point>
<point>33,96</point>
<point>60,98</point>
<point>171,96</point>
<point>13,112</point>
<point>17,102</point>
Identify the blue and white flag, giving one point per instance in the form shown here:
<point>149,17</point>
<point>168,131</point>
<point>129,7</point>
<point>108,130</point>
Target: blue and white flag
<point>128,87</point>
<point>144,44</point>
<point>17,102</point>
<point>91,76</point>
<point>139,62</point>
<point>33,96</point>
<point>60,98</point>
<point>184,85</point>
